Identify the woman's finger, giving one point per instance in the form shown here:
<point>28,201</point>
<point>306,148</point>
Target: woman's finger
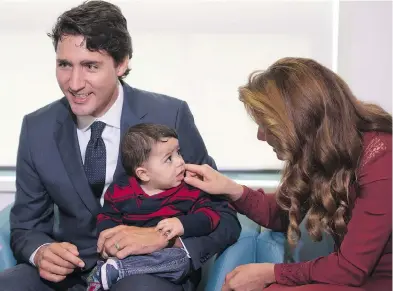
<point>228,282</point>
<point>190,174</point>
<point>196,169</point>
<point>230,275</point>
<point>196,182</point>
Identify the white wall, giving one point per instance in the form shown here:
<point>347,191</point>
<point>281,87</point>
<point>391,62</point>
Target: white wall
<point>201,51</point>
<point>6,199</point>
<point>365,49</point>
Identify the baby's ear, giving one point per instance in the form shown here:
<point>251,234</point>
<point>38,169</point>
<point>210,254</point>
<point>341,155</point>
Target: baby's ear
<point>142,174</point>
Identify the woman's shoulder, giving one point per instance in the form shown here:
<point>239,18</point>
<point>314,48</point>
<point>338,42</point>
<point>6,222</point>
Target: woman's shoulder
<point>376,160</point>
<point>375,144</point>
<point>375,138</point>
<point>374,175</point>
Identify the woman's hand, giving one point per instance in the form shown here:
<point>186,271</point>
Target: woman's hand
<point>250,277</point>
<point>211,181</point>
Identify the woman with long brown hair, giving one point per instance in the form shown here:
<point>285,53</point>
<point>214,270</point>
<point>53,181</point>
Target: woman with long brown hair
<point>337,177</point>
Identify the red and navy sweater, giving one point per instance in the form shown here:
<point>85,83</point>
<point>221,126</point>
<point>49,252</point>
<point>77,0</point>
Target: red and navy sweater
<point>126,203</point>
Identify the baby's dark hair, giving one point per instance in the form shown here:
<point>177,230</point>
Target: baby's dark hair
<point>138,141</point>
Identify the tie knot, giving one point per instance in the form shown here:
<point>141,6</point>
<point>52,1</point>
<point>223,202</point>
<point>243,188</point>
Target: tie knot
<point>96,129</point>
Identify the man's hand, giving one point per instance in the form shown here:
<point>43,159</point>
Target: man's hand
<point>122,241</point>
<point>170,227</point>
<point>56,260</point>
<point>250,277</point>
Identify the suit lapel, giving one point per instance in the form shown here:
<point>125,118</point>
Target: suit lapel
<point>67,142</point>
<point>130,116</point>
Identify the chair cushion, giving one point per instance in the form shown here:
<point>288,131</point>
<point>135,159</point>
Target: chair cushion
<point>7,259</point>
<point>270,247</point>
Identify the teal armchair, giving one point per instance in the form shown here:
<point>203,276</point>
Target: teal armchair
<point>6,257</point>
<point>255,245</point>
<point>213,272</point>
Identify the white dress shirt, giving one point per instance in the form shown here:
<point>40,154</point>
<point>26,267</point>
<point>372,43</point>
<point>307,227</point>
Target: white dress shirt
<point>111,137</point>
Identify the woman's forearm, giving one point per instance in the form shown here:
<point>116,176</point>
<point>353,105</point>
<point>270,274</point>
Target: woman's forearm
<point>235,191</point>
<point>261,208</point>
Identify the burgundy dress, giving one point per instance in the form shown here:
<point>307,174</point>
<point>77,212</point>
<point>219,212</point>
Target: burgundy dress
<point>363,261</point>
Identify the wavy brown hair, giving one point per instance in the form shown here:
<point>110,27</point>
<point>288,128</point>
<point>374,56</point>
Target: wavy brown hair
<point>316,125</point>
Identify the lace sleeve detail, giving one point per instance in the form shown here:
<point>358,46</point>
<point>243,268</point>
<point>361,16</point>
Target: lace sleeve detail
<point>292,274</point>
<point>372,150</point>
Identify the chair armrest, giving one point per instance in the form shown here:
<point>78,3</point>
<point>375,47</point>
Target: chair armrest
<point>307,250</point>
<point>215,270</point>
<point>249,227</point>
<point>7,259</point>
<point>271,247</point>
<point>240,253</point>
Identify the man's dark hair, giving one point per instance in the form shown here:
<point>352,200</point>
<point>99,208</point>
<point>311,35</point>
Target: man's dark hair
<point>101,24</point>
<point>138,141</point>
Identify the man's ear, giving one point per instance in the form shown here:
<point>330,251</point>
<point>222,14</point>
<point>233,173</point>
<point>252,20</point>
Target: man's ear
<point>142,174</point>
<point>122,67</point>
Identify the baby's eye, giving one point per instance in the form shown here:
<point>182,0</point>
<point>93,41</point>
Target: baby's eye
<point>169,159</point>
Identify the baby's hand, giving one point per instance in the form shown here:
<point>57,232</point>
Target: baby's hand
<point>170,227</point>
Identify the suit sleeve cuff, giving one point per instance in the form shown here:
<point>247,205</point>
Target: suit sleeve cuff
<point>184,248</point>
<point>31,259</point>
<point>195,224</point>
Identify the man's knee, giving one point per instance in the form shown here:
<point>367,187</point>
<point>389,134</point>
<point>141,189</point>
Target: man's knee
<point>21,277</point>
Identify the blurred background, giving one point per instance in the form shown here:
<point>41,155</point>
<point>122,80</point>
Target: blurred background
<point>201,52</point>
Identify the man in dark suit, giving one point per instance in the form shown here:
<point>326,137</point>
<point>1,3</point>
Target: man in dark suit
<point>69,153</point>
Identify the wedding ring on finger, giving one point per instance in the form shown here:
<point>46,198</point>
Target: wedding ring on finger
<point>117,246</point>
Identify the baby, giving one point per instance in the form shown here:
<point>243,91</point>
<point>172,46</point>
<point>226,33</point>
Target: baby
<point>152,193</point>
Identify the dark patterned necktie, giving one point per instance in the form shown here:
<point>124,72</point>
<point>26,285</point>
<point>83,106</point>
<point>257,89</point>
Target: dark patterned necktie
<point>95,159</point>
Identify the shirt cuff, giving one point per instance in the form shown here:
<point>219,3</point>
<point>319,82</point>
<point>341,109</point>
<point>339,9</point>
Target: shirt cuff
<point>293,274</point>
<point>184,248</point>
<point>31,259</point>
<point>242,201</point>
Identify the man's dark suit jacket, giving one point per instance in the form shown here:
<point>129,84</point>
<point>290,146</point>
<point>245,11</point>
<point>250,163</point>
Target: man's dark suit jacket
<point>50,174</point>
